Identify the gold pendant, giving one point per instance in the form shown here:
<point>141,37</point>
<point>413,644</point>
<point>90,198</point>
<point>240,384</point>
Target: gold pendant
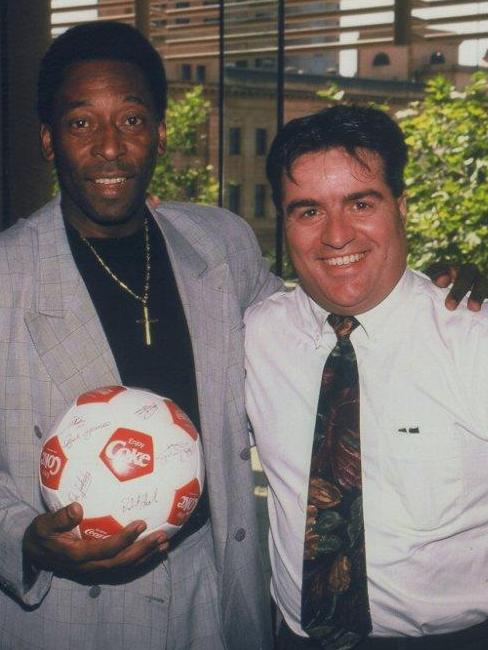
<point>146,321</point>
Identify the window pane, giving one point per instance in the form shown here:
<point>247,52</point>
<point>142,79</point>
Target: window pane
<point>200,73</point>
<point>235,141</point>
<point>186,72</point>
<point>260,201</point>
<point>234,198</point>
<point>261,142</point>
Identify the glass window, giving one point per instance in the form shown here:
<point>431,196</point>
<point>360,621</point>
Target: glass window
<point>186,72</point>
<point>182,20</point>
<point>269,63</point>
<point>437,58</point>
<point>234,141</point>
<point>234,197</point>
<point>260,201</point>
<point>200,73</point>
<point>261,142</point>
<point>381,58</point>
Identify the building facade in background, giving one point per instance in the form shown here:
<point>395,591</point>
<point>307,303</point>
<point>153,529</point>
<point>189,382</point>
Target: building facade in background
<point>232,50</point>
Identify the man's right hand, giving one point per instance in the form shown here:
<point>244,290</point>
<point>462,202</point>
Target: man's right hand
<point>49,543</point>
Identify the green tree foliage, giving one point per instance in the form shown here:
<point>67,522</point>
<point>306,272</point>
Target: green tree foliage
<point>180,174</point>
<point>447,173</point>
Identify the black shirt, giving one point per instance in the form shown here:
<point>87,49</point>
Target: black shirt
<point>166,366</point>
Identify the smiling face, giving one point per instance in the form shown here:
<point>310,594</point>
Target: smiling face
<point>344,229</point>
<point>104,138</point>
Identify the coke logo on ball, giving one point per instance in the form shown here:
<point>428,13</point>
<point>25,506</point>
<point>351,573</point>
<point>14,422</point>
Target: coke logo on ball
<point>187,504</point>
<point>185,501</point>
<point>95,534</point>
<point>128,454</point>
<point>99,527</point>
<point>52,463</point>
<point>118,450</point>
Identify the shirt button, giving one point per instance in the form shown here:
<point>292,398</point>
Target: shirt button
<point>95,591</point>
<point>245,453</point>
<point>239,534</point>
<point>37,431</point>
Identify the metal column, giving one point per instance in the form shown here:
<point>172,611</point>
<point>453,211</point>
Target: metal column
<point>142,16</point>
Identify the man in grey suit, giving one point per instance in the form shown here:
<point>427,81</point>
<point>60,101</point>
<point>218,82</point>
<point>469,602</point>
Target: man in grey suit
<point>95,290</point>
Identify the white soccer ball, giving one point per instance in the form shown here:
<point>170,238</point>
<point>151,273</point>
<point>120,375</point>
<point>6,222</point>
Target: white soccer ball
<point>123,454</point>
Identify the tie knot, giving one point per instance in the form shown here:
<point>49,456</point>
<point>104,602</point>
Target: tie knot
<point>342,325</point>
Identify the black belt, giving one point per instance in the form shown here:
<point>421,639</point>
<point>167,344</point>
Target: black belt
<point>471,638</point>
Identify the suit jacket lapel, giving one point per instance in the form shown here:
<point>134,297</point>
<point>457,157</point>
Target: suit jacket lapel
<point>65,328</point>
<point>203,286</point>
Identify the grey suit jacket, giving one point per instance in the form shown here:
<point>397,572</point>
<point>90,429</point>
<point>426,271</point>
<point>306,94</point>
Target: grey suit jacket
<point>52,348</point>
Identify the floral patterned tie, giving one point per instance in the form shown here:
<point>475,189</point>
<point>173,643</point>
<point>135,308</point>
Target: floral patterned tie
<point>335,607</point>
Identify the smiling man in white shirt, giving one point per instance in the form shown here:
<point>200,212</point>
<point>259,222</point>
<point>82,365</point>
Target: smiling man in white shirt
<point>337,176</point>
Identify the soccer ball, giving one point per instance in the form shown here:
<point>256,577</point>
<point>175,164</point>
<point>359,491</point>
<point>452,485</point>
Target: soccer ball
<point>123,454</point>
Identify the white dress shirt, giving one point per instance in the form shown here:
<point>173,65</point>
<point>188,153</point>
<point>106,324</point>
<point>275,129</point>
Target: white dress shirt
<point>423,374</point>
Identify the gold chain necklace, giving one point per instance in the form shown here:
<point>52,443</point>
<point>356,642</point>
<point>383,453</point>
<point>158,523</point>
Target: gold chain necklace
<point>144,299</point>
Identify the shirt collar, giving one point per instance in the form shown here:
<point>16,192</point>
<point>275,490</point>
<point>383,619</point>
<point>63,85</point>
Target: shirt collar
<point>375,319</point>
<point>371,322</point>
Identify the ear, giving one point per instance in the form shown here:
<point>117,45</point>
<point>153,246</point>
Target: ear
<point>162,138</point>
<point>402,207</point>
<point>47,147</point>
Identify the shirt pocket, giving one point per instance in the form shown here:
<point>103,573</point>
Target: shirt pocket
<point>422,474</point>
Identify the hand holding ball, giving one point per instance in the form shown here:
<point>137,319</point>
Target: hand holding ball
<point>123,454</point>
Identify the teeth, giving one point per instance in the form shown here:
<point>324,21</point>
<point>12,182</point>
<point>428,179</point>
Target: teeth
<point>346,259</point>
<point>110,181</point>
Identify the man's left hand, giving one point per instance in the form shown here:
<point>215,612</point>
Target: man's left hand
<point>464,278</point>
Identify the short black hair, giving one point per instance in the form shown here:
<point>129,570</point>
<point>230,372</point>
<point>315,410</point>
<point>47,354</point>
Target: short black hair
<point>99,41</point>
<point>347,126</point>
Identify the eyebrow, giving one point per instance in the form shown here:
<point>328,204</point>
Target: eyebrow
<point>301,203</point>
<point>129,99</point>
<point>136,99</point>
<point>354,196</point>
